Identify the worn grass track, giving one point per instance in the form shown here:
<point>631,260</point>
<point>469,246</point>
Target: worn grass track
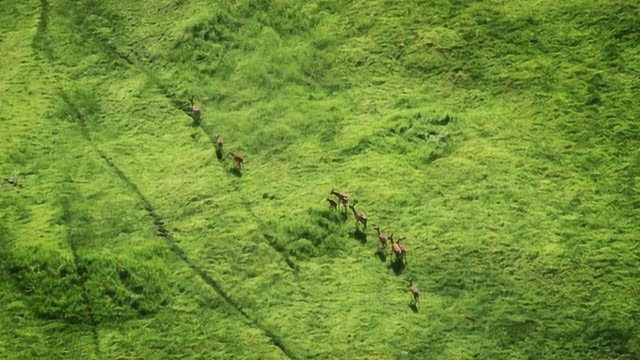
<point>173,244</point>
<point>499,138</point>
<point>81,273</point>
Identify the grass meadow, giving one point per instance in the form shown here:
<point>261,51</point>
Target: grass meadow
<point>498,138</point>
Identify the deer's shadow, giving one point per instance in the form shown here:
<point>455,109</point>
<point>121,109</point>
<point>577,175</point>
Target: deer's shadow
<point>413,307</point>
<point>397,265</point>
<point>219,155</point>
<point>235,171</point>
<point>360,236</point>
<point>382,255</point>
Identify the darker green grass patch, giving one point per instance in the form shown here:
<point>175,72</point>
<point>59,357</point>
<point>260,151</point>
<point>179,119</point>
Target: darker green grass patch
<point>40,41</point>
<point>13,207</point>
<point>127,286</point>
<point>50,282</point>
<point>415,135</point>
<point>206,42</point>
<point>79,102</point>
<point>319,233</point>
<point>272,140</point>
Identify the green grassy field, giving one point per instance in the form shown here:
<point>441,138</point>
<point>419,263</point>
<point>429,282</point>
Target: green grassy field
<point>499,138</point>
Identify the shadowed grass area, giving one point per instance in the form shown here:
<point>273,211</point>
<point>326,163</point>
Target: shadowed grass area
<point>498,140</point>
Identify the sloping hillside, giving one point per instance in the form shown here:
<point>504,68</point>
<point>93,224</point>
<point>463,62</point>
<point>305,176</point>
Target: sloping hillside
<point>497,139</point>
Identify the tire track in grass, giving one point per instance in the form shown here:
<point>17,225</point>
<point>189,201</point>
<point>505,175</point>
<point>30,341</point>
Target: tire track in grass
<point>173,245</point>
<point>81,271</point>
<point>110,49</point>
<point>38,43</point>
<point>43,23</point>
<point>171,241</point>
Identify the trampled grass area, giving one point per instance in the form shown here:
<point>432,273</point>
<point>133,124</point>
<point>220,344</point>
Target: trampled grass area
<point>498,138</point>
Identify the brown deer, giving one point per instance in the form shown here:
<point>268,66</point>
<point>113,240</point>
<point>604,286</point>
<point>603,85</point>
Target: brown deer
<point>381,237</point>
<point>359,215</point>
<point>195,110</point>
<point>403,250</point>
<point>238,159</point>
<point>219,147</point>
<point>342,197</point>
<point>397,250</point>
<point>332,203</point>
<point>414,292</point>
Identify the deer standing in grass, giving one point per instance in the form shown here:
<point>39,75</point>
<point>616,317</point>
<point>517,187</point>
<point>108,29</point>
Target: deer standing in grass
<point>359,215</point>
<point>238,159</point>
<point>414,292</point>
<point>195,110</point>
<point>403,250</point>
<point>218,146</point>
<point>381,237</point>
<point>332,203</point>
<point>397,250</point>
<point>342,197</point>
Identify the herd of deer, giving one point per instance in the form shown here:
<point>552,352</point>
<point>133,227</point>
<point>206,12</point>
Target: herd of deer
<point>196,113</point>
<point>397,248</point>
<point>343,200</point>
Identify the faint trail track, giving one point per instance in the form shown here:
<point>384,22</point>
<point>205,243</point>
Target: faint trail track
<point>38,42</point>
<point>81,271</point>
<point>44,16</point>
<point>173,244</point>
<point>108,47</point>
